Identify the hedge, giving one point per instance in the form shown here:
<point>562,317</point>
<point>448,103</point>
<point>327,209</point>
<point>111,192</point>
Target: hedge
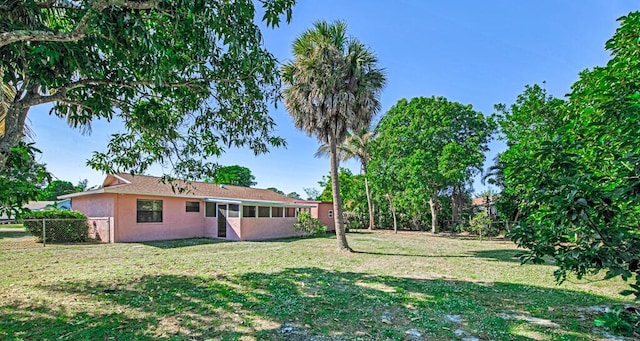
<point>61,225</point>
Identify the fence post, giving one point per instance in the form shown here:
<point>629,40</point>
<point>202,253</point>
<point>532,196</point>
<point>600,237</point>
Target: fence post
<point>44,233</point>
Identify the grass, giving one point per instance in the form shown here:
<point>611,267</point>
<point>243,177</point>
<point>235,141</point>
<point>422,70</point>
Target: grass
<point>396,287</point>
<point>12,226</point>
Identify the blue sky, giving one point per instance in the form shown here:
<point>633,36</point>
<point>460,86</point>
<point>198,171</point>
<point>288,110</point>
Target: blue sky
<point>473,52</point>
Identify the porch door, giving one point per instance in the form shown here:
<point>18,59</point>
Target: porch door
<point>222,221</point>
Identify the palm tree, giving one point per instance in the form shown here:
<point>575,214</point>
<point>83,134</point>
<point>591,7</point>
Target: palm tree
<point>332,87</point>
<point>356,146</point>
<point>495,173</point>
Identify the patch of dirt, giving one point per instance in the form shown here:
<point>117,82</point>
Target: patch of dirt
<point>530,319</point>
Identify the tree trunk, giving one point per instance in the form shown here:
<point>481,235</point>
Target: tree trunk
<point>393,213</point>
<point>337,201</point>
<point>13,131</point>
<point>456,204</point>
<point>433,202</point>
<point>369,203</point>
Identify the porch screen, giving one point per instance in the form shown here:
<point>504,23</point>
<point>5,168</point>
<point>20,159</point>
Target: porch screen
<point>210,209</point>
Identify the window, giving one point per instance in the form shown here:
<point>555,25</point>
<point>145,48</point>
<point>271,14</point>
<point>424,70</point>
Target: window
<point>264,212</point>
<point>249,211</point>
<point>234,211</point>
<point>330,213</point>
<point>277,212</point>
<point>149,211</point>
<point>210,209</point>
<point>290,212</point>
<point>193,206</point>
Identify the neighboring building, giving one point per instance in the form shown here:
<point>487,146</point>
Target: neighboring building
<point>48,205</point>
<point>485,204</point>
<point>41,205</point>
<point>142,208</point>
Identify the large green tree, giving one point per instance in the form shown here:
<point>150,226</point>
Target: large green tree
<point>332,87</point>
<point>21,178</point>
<point>234,175</point>
<point>55,189</point>
<point>188,78</point>
<point>273,189</point>
<point>351,190</point>
<point>579,177</point>
<point>424,146</point>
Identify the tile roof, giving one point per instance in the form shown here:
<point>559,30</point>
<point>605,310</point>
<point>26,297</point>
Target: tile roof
<point>478,201</point>
<point>151,185</point>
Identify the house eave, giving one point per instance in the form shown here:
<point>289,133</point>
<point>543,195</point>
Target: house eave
<point>80,194</point>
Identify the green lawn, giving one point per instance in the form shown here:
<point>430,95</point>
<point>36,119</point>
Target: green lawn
<point>396,287</point>
<point>12,226</point>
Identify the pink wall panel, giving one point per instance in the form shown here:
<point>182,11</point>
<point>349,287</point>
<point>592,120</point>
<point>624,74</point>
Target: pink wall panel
<point>176,222</point>
<point>323,215</point>
<point>97,205</point>
<point>267,228</point>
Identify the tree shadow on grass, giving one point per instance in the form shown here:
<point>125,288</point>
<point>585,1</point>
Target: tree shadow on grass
<point>412,254</point>
<point>500,255</point>
<point>21,321</point>
<point>6,233</point>
<point>328,235</point>
<point>179,243</point>
<point>300,304</point>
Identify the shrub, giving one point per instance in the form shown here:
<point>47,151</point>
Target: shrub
<point>481,225</point>
<point>355,220</point>
<point>306,224</point>
<point>61,225</point>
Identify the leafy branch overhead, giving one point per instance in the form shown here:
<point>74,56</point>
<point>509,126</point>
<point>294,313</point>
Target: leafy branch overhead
<point>188,79</point>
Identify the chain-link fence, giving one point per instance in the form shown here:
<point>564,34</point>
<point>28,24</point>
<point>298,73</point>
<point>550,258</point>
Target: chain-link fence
<point>40,232</point>
<point>481,227</point>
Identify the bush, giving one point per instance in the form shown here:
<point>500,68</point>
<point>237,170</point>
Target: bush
<point>61,225</point>
<point>306,224</point>
<point>355,220</point>
<point>481,225</point>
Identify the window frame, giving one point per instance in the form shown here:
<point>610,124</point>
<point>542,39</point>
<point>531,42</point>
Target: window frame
<point>277,208</point>
<point>261,215</point>
<point>249,208</point>
<point>215,209</point>
<point>233,213</point>
<point>197,206</point>
<point>138,211</point>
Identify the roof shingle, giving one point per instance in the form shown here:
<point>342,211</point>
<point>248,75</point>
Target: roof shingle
<point>151,185</point>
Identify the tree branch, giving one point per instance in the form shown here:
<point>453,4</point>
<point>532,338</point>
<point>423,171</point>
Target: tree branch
<point>60,93</point>
<point>80,32</point>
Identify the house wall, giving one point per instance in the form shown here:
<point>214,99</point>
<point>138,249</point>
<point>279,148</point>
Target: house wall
<point>267,228</point>
<point>101,228</point>
<point>121,211</point>
<point>97,205</point>
<point>100,209</point>
<point>210,229</point>
<point>234,231</point>
<point>176,222</point>
<point>323,215</point>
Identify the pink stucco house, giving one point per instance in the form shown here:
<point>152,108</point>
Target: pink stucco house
<point>142,208</point>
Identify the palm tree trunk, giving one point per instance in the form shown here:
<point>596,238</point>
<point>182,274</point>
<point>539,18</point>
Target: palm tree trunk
<point>369,203</point>
<point>337,201</point>
<point>13,132</point>
<point>434,214</point>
